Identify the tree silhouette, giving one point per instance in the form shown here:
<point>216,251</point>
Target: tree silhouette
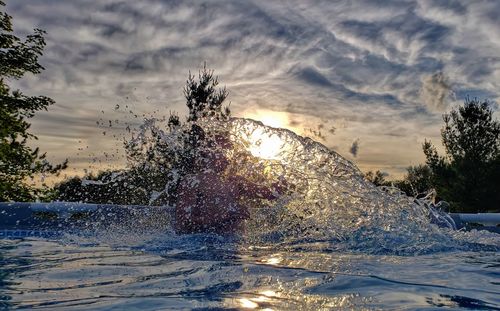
<point>468,176</point>
<point>19,162</point>
<point>203,99</point>
<point>157,165</point>
<point>416,182</point>
<point>377,178</point>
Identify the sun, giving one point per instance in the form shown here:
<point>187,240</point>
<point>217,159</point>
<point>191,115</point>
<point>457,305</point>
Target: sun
<point>269,118</point>
<point>265,144</point>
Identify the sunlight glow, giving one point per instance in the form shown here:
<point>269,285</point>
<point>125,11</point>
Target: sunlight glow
<point>253,303</point>
<point>261,299</point>
<point>265,146</point>
<point>273,121</point>
<point>269,118</point>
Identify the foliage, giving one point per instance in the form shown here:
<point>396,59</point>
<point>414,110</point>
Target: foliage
<point>416,182</point>
<point>103,188</point>
<point>377,178</point>
<point>18,161</point>
<point>157,164</point>
<point>468,176</point>
<point>203,99</point>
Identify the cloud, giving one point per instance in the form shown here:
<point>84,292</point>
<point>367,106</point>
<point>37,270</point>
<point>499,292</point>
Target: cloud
<point>377,67</point>
<point>313,77</point>
<point>354,148</point>
<point>435,91</point>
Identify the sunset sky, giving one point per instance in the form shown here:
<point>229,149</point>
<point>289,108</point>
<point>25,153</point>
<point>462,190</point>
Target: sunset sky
<point>378,74</point>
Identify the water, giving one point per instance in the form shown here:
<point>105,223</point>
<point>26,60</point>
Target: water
<point>331,241</point>
<point>210,273</point>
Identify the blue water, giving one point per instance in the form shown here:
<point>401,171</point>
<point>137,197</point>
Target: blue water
<point>204,272</point>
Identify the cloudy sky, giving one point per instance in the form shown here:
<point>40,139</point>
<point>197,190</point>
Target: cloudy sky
<point>373,76</point>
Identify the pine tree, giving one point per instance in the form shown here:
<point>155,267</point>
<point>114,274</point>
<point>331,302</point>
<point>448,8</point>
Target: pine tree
<point>377,178</point>
<point>203,99</point>
<point>468,176</point>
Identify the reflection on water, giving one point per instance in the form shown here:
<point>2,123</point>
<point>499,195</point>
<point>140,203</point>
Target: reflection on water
<point>273,259</point>
<point>197,273</point>
<point>291,301</point>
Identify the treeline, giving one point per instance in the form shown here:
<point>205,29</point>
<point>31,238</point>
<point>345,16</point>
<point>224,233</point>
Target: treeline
<point>467,176</point>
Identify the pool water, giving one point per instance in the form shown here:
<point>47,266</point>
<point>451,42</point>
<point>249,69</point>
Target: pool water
<point>206,272</point>
<point>332,240</point>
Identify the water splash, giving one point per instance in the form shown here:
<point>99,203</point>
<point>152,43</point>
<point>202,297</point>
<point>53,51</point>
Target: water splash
<point>331,200</point>
<point>326,196</point>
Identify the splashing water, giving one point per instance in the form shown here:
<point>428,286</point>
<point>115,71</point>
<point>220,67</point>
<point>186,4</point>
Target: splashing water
<point>326,197</point>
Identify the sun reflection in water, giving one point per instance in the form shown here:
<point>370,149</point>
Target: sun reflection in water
<point>265,297</point>
<point>273,260</point>
<point>247,303</point>
<point>297,300</point>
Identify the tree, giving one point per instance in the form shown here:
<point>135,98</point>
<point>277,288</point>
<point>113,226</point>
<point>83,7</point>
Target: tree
<point>156,164</point>
<point>203,99</point>
<point>468,176</point>
<point>416,182</point>
<point>103,189</point>
<point>19,162</point>
<point>377,178</point>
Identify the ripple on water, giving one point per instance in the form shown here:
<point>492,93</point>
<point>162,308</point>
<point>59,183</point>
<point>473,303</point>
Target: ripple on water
<point>54,275</point>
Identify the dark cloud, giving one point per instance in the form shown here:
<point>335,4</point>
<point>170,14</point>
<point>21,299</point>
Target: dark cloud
<point>354,148</point>
<point>313,77</point>
<point>453,5</point>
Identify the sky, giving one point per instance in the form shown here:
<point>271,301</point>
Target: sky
<point>369,79</point>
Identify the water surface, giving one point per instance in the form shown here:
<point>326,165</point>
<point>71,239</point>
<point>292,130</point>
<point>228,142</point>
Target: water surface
<point>208,272</point>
